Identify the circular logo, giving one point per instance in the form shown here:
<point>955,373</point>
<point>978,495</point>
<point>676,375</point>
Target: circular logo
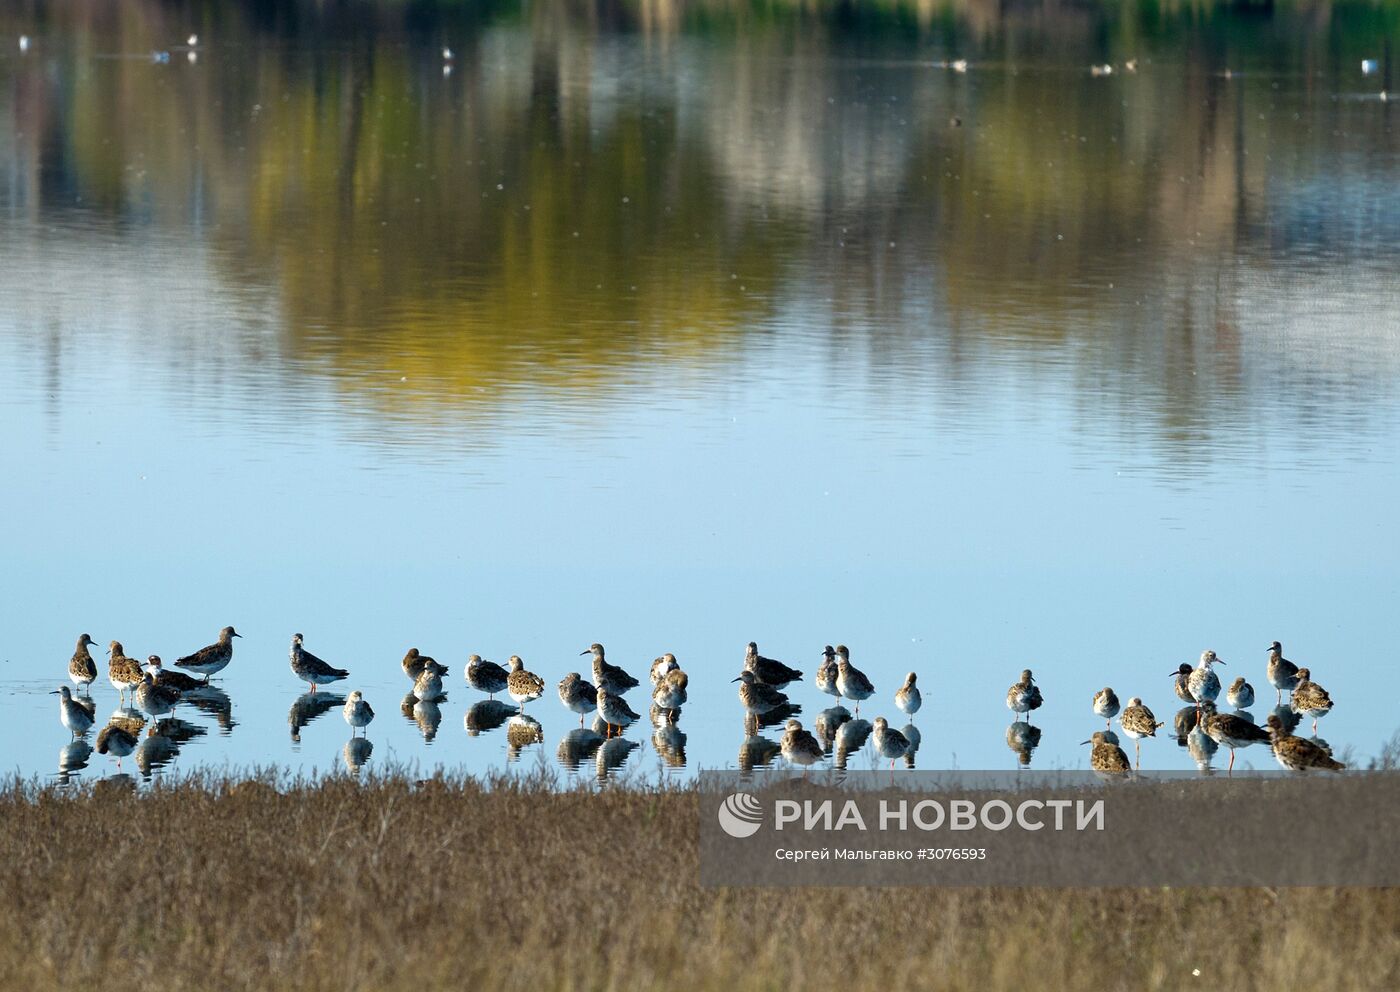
<point>740,815</point>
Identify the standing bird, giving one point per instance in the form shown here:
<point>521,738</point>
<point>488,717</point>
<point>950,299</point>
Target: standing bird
<point>798,746</point>
<point>1230,730</point>
<point>1138,722</point>
<point>175,680</point>
<point>1240,695</point>
<point>851,682</point>
<point>889,743</point>
<point>1180,683</point>
<point>663,666</point>
<point>1106,758</point>
<point>71,713</point>
<point>1024,696</point>
<point>311,669</point>
<point>486,676</point>
<point>908,697</point>
<point>578,694</point>
<point>615,711</point>
<point>116,741</point>
<point>1283,674</point>
<point>1203,683</point>
<point>155,700</point>
<point>608,676</point>
<point>757,698</point>
<point>523,685</point>
<point>768,671</point>
<point>428,684</point>
<point>358,713</point>
<point>671,692</point>
<point>124,673</point>
<point>827,670</point>
<point>1310,699</point>
<point>413,664</point>
<point>81,668</point>
<point>1297,754</point>
<point>1106,705</point>
<point>213,659</point>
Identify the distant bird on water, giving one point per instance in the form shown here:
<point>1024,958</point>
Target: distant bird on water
<point>81,668</point>
<point>311,669</point>
<point>578,694</point>
<point>672,692</point>
<point>907,697</point>
<point>1106,704</point>
<point>174,680</point>
<point>1310,699</point>
<point>71,713</point>
<point>1232,731</point>
<point>1107,758</point>
<point>767,670</point>
<point>1283,674</point>
<point>1240,695</point>
<point>413,664</point>
<point>124,673</point>
<point>757,698</point>
<point>213,659</point>
<point>1024,696</point>
<point>523,686</point>
<point>427,686</point>
<point>799,747</point>
<point>1203,683</point>
<point>358,713</point>
<point>614,711</point>
<point>1138,722</point>
<point>155,700</point>
<point>889,743</point>
<point>1298,754</point>
<point>827,671</point>
<point>608,676</point>
<point>662,666</point>
<point>116,741</point>
<point>486,676</point>
<point>1181,679</point>
<point>850,680</point>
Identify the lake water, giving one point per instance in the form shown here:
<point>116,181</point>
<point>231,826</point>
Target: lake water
<point>673,326</point>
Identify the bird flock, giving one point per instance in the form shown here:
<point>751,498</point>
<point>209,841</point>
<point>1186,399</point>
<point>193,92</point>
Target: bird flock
<point>155,690</point>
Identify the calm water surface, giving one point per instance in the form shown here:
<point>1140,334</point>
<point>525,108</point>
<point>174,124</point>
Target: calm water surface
<point>673,326</point>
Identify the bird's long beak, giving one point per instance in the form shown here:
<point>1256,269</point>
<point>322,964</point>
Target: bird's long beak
<point>236,634</point>
<point>585,651</point>
<point>736,678</point>
<point>1219,662</point>
<point>54,693</point>
<point>1083,742</point>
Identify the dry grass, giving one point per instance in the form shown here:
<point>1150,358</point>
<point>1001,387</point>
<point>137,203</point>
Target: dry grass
<point>449,884</point>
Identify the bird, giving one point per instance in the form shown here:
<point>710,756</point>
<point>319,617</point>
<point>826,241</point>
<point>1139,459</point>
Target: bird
<point>1310,699</point>
<point>1240,695</point>
<point>768,671</point>
<point>81,668</point>
<point>23,43</point>
<point>1138,722</point>
<point>358,713</point>
<point>662,666</point>
<point>1106,705</point>
<point>486,676</point>
<point>1101,70</point>
<point>523,685</point>
<point>1131,65</point>
<point>1283,674</point>
<point>175,680</point>
<point>798,746</point>
<point>614,711</point>
<point>958,65</point>
<point>1203,683</point>
<point>756,697</point>
<point>608,676</point>
<point>850,680</point>
<point>827,671</point>
<point>116,741</point>
<point>428,684</point>
<point>1106,758</point>
<point>155,700</point>
<point>1024,696</point>
<point>1180,683</point>
<point>413,664</point>
<point>578,694</point>
<point>212,659</point>
<point>124,673</point>
<point>311,669</point>
<point>1230,730</point>
<point>671,693</point>
<point>71,713</point>
<point>447,55</point>
<point>1298,754</point>
<point>907,697</point>
<point>889,743</point>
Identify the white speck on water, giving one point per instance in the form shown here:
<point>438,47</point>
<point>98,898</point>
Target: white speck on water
<point>500,186</point>
<point>1196,972</point>
<point>192,40</point>
<point>24,43</point>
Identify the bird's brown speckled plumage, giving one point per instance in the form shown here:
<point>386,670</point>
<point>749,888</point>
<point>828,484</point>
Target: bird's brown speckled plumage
<point>81,668</point>
<point>523,685</point>
<point>124,673</point>
<point>1297,754</point>
<point>213,659</point>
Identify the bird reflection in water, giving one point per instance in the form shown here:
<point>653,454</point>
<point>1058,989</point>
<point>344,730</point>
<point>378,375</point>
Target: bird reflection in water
<point>612,755</point>
<point>577,746</point>
<point>487,715</point>
<point>427,715</point>
<point>669,740</point>
<point>850,738</point>
<point>309,706</point>
<point>357,752</point>
<point>827,723</point>
<point>912,735</point>
<point>522,731</point>
<point>757,752</point>
<point>73,757</point>
<point>214,701</point>
<point>1023,738</point>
